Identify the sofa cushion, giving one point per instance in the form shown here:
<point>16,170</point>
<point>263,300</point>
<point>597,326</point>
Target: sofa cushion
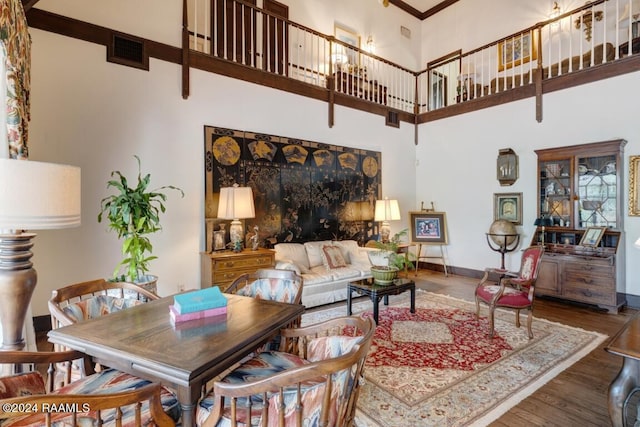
<point>348,248</point>
<point>294,252</point>
<point>332,257</point>
<point>314,252</point>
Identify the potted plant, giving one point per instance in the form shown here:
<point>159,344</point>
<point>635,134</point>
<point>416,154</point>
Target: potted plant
<point>395,261</point>
<point>134,213</point>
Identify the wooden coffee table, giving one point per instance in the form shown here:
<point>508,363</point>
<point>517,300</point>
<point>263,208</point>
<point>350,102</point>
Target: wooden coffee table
<point>376,292</point>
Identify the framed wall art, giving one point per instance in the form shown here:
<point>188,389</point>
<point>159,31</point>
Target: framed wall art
<point>517,50</point>
<point>634,186</point>
<point>428,228</point>
<point>508,206</point>
<point>592,236</point>
<point>351,38</point>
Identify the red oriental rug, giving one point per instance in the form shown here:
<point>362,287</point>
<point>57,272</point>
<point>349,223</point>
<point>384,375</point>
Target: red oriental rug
<point>436,367</point>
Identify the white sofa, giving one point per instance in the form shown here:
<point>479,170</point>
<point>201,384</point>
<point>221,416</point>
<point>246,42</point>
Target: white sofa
<point>322,282</point>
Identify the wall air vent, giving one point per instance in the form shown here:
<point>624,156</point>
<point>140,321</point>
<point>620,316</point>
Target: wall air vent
<point>128,50</point>
<point>392,119</point>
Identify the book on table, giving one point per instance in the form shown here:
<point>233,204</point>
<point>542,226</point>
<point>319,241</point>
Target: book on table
<point>195,315</point>
<point>202,299</point>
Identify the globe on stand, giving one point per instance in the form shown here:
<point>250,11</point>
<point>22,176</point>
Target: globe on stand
<point>504,236</point>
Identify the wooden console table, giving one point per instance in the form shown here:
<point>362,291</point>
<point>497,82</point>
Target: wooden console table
<point>360,87</point>
<point>222,268</point>
<point>626,343</point>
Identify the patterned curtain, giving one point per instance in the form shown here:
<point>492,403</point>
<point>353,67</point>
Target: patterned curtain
<point>16,43</point>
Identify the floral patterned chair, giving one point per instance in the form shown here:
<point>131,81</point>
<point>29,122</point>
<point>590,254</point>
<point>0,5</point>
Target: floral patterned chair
<point>514,290</point>
<point>116,398</point>
<point>316,382</point>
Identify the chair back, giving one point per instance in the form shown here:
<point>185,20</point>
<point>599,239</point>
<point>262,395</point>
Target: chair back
<point>530,263</point>
<point>28,398</point>
<point>270,284</point>
<point>318,386</point>
<point>93,298</point>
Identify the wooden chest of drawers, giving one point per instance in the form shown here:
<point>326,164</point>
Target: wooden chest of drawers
<point>586,279</point>
<point>222,268</point>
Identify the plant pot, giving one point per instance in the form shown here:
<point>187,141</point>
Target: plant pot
<point>383,275</point>
<point>148,282</point>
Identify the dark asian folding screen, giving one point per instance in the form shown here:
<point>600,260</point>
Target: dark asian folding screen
<point>302,190</point>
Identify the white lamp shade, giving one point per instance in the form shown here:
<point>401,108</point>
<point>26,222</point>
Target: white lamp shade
<point>236,203</point>
<point>36,195</point>
<point>387,210</point>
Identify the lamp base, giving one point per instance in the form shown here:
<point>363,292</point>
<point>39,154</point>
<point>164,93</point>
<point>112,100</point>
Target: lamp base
<point>17,283</point>
<point>385,231</point>
<point>236,235</point>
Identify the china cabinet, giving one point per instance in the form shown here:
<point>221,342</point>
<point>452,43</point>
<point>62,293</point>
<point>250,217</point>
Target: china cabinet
<point>580,187</point>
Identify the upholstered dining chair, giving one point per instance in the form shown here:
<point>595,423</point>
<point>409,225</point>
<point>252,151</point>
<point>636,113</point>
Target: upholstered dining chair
<point>315,382</point>
<point>94,298</point>
<point>269,283</point>
<point>31,399</point>
<point>514,290</point>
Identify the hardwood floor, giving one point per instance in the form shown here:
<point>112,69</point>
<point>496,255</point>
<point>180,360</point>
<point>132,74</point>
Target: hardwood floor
<point>578,395</point>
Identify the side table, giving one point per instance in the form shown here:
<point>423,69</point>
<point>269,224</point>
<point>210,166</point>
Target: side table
<point>377,292</point>
<point>625,343</point>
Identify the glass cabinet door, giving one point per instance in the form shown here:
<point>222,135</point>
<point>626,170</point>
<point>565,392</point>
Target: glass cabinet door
<point>597,191</point>
<point>555,190</point>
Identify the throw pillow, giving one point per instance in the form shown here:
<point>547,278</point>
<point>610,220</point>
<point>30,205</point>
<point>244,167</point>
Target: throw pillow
<point>332,257</point>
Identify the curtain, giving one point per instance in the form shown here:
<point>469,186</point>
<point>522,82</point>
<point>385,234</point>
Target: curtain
<point>15,42</point>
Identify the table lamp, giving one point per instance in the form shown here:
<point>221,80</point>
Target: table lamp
<point>33,195</point>
<point>236,203</point>
<point>386,210</point>
<point>543,221</point>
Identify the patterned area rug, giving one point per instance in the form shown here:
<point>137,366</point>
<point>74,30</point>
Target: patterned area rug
<point>437,367</point>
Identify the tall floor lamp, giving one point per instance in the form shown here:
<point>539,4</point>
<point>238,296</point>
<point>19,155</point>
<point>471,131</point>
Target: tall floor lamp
<point>33,195</point>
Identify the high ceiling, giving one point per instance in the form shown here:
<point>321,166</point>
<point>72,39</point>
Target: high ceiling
<point>421,9</point>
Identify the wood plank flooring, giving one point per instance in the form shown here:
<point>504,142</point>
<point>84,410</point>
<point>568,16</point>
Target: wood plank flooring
<point>578,395</point>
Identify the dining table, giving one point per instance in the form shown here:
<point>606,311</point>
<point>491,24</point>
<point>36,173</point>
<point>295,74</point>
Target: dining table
<point>143,341</point>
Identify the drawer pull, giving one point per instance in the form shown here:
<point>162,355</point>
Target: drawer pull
<point>229,264</point>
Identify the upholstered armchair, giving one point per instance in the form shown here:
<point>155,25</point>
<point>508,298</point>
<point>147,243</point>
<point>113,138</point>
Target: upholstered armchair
<point>315,382</point>
<point>116,398</point>
<point>514,290</point>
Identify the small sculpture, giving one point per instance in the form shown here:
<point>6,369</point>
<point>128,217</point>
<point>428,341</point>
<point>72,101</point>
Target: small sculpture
<point>254,238</point>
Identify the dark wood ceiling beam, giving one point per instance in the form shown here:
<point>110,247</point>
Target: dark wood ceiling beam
<point>407,8</point>
<point>437,8</point>
<point>28,4</point>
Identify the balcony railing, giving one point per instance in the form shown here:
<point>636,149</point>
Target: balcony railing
<point>596,33</point>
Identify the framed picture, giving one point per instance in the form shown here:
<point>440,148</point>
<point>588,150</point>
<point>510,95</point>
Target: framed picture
<point>634,185</point>
<point>517,50</point>
<point>219,239</point>
<point>508,206</point>
<point>428,228</point>
<point>438,90</point>
<point>351,38</point>
<point>592,236</point>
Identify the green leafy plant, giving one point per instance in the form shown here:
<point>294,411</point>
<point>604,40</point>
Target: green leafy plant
<point>390,248</point>
<point>134,213</point>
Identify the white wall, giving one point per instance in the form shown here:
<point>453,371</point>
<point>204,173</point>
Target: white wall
<point>457,162</point>
<point>97,115</point>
